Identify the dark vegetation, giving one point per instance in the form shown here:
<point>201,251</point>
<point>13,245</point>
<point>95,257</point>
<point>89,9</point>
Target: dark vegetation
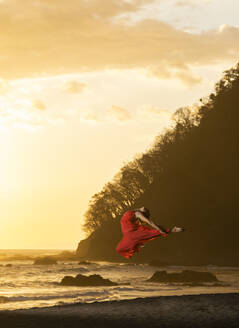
<point>189,178</point>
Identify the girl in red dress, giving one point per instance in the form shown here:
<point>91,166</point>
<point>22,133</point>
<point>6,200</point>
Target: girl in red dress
<point>135,235</point>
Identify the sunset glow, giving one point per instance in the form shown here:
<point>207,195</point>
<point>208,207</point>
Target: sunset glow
<point>87,85</point>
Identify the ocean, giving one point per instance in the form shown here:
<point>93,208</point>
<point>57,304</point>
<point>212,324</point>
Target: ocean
<point>25,285</point>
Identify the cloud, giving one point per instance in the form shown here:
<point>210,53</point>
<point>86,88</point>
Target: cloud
<point>74,87</point>
<point>185,3</point>
<point>38,104</point>
<point>182,73</point>
<point>89,116</point>
<point>19,110</point>
<point>116,113</point>
<point>152,112</point>
<point>42,37</point>
<point>188,78</point>
<point>158,111</point>
<point>191,3</point>
<point>4,87</point>
<point>20,118</point>
<point>121,114</point>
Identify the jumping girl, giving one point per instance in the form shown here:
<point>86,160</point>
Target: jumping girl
<point>135,235</point>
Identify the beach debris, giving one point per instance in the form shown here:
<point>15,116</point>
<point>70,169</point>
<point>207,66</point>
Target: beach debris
<point>46,260</point>
<point>188,276</point>
<point>82,280</point>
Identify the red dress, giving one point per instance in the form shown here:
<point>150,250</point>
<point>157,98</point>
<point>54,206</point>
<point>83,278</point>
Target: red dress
<point>135,235</point>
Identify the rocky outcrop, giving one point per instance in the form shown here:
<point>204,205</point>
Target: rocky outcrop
<point>81,280</point>
<point>188,178</point>
<point>66,256</point>
<point>186,276</point>
<point>47,260</point>
<point>101,244</point>
<point>3,299</point>
<point>9,265</point>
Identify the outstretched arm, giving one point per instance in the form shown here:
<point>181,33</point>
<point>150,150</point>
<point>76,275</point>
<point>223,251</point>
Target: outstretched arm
<point>139,215</point>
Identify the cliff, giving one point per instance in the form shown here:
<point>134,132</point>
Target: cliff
<point>189,178</point>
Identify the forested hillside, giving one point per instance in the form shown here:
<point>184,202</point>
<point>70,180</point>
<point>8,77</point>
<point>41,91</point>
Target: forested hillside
<point>189,177</point>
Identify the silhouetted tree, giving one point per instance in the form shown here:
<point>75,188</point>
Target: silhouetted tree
<point>188,177</point>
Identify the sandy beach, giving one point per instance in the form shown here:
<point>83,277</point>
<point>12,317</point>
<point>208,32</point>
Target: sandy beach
<point>208,310</point>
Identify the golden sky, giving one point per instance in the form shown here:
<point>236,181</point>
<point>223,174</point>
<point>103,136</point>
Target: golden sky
<point>84,86</point>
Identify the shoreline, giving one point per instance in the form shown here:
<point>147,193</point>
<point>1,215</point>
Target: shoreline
<point>203,310</point>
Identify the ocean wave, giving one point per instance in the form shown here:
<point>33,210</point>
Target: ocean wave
<point>122,289</point>
<point>96,293</point>
<point>143,289</point>
<point>82,296</point>
<point>78,269</point>
<point>36,298</point>
<point>7,284</point>
<point>74,295</point>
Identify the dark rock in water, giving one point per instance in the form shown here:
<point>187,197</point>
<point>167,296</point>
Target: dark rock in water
<point>47,260</point>
<point>8,265</point>
<point>188,276</point>
<point>3,299</point>
<point>81,280</point>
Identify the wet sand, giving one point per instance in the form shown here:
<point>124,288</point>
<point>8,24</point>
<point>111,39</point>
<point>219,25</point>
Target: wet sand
<point>194,311</point>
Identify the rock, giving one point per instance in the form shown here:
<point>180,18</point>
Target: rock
<point>47,260</point>
<point>8,265</point>
<point>186,276</point>
<point>3,299</point>
<point>81,280</point>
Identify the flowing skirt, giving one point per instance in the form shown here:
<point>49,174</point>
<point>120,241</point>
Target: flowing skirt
<point>133,240</point>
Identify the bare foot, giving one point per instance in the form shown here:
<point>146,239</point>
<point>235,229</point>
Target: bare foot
<point>177,229</point>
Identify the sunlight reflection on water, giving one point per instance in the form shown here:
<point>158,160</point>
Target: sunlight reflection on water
<point>24,285</point>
